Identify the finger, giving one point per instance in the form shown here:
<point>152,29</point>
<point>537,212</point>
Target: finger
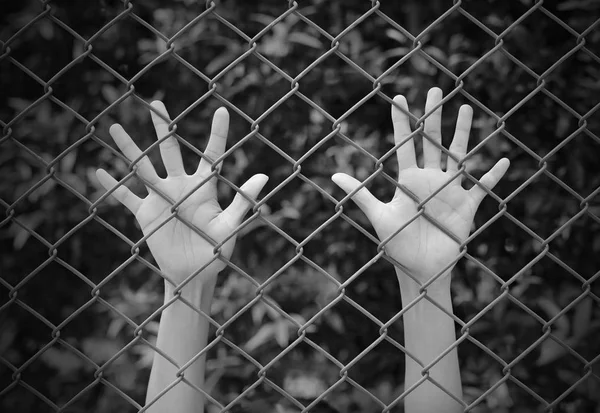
<point>145,170</point>
<point>459,144</point>
<point>406,152</point>
<point>169,148</point>
<point>240,205</point>
<point>433,126</point>
<point>131,201</point>
<point>363,198</point>
<point>489,180</point>
<point>217,141</point>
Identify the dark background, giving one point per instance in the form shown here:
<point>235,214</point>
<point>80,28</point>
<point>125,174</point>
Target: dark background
<point>59,95</point>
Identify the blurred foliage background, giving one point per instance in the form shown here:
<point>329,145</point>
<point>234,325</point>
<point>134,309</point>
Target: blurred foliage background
<point>57,328</point>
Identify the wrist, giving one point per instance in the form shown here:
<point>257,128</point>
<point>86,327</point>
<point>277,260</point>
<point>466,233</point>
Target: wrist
<point>434,301</point>
<point>198,291</point>
<point>411,285</point>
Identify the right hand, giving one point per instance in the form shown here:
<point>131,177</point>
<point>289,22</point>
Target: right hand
<point>179,250</point>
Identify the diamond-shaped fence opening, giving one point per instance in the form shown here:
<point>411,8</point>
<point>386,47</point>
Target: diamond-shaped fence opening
<point>307,315</point>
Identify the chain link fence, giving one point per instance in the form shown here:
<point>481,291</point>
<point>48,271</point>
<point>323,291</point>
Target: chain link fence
<point>307,296</point>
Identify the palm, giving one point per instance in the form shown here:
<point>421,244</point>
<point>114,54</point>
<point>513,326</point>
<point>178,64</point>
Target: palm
<point>185,243</point>
<point>177,248</point>
<point>421,246</point>
<point>422,241</point>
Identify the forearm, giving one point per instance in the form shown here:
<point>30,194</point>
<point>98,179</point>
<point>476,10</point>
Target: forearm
<point>182,334</point>
<point>428,332</point>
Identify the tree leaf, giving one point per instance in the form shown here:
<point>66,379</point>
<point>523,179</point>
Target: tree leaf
<point>305,39</point>
<point>263,335</point>
<point>582,317</point>
<point>282,332</point>
<point>64,361</point>
<point>550,351</point>
<point>100,350</point>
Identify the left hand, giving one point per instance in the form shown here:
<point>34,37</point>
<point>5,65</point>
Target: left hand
<point>421,246</point>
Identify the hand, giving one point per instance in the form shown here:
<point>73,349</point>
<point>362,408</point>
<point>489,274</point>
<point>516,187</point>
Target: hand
<point>179,250</point>
<point>422,247</point>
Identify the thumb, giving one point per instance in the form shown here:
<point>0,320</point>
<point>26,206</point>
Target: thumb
<point>363,197</point>
<point>489,181</point>
<point>240,205</point>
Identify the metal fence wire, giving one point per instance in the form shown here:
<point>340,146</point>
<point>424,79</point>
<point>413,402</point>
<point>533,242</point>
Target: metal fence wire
<point>309,85</point>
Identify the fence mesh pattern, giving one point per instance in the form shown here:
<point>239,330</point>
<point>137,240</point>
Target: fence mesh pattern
<point>308,86</point>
